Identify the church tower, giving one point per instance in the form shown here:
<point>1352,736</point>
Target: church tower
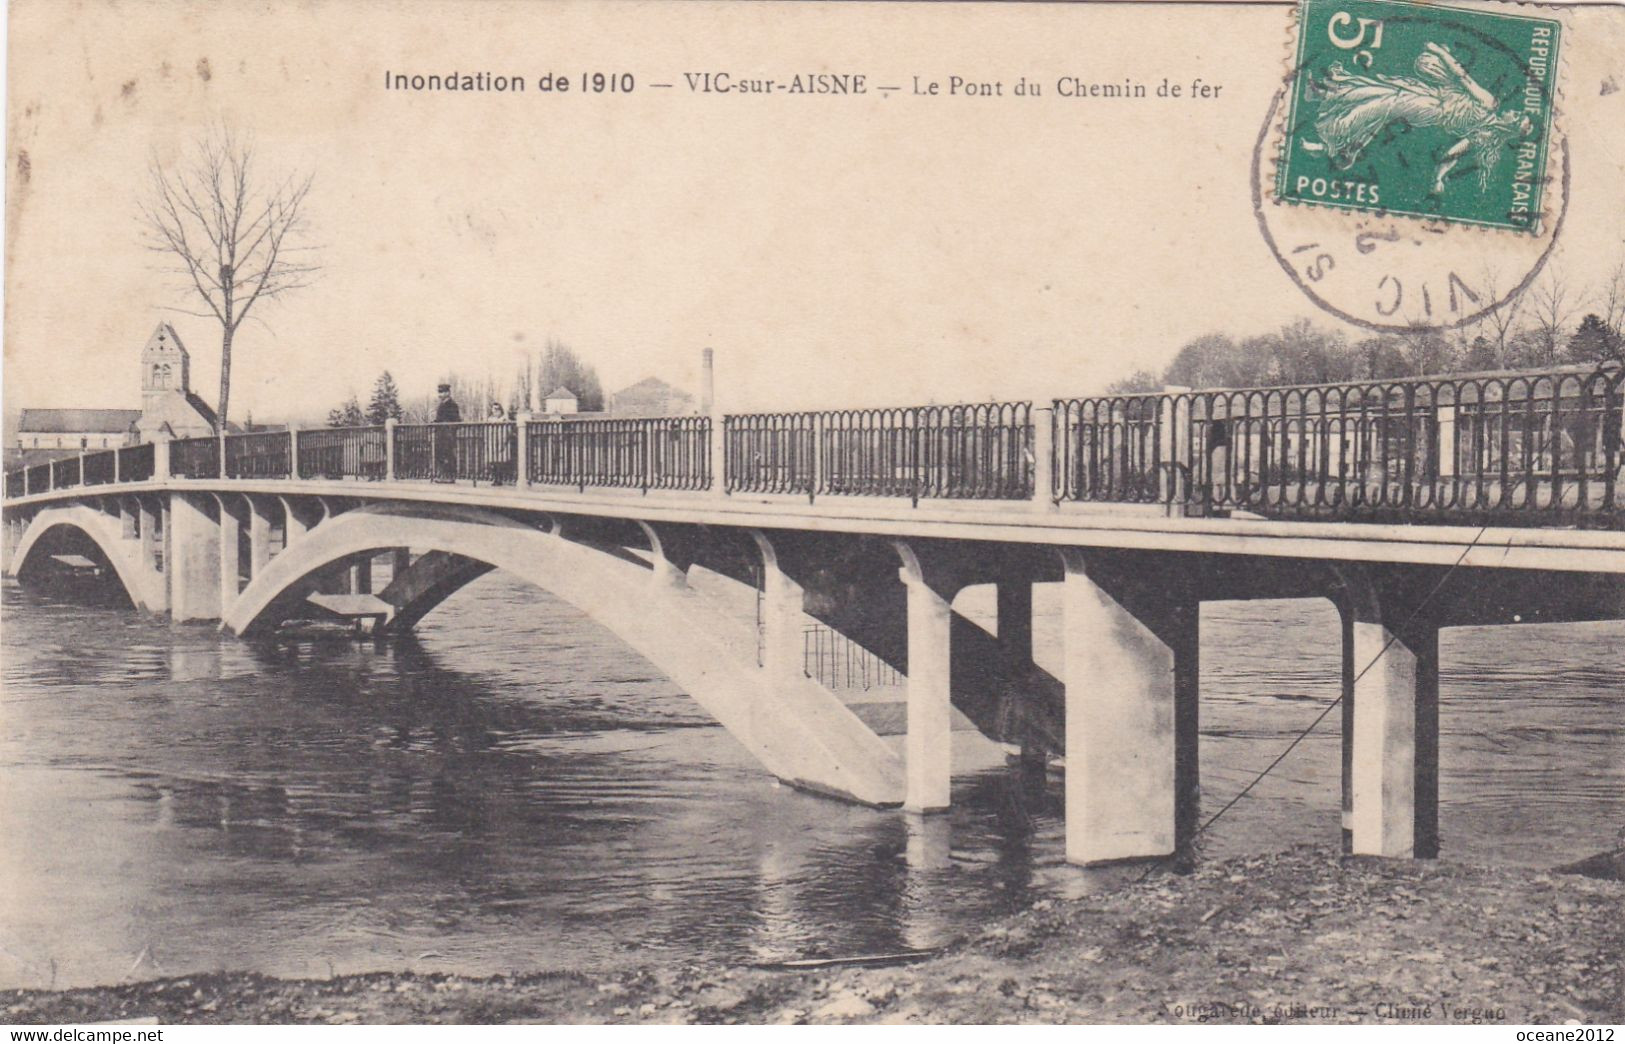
<point>165,367</point>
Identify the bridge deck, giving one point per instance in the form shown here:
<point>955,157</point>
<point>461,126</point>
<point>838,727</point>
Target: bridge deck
<point>1141,527</point>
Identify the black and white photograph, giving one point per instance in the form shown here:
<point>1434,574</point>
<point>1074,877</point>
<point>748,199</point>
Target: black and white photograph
<point>792,512</point>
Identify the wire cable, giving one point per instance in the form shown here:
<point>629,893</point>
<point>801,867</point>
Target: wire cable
<point>1393,636</point>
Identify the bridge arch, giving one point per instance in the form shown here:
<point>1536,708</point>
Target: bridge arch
<point>798,730</point>
<point>143,585</point>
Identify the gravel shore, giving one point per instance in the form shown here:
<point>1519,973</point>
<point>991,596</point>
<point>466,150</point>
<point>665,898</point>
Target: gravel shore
<point>1301,936</point>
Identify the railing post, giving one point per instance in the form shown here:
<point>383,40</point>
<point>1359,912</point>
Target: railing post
<point>389,448</point>
<point>222,449</point>
<point>719,453</point>
<point>160,457</point>
<point>646,452</point>
<point>817,457</point>
<point>1445,466</point>
<point>1044,458</point>
<point>521,450</point>
<point>293,450</point>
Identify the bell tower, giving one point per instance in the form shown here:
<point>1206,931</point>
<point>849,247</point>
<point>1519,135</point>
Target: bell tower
<point>165,367</point>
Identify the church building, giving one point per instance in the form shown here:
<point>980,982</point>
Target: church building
<point>168,405</point>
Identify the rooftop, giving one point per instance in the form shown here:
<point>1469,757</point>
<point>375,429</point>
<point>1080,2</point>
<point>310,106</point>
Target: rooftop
<point>109,422</point>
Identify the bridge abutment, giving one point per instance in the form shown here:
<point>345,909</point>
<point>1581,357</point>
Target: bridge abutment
<point>1131,688</point>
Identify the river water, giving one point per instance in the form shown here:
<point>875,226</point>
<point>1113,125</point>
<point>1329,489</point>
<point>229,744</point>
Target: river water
<point>516,790</point>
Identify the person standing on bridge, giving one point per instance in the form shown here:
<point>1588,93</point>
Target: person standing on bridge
<point>499,446</point>
<point>445,440</point>
<point>447,411</point>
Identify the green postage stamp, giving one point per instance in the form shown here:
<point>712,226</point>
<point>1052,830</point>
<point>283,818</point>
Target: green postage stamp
<point>1416,109</point>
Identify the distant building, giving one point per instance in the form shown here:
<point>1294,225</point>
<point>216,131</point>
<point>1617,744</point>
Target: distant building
<point>650,397</point>
<point>168,406</point>
<point>75,430</point>
<point>561,400</point>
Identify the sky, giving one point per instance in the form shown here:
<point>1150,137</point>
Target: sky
<point>881,249</point>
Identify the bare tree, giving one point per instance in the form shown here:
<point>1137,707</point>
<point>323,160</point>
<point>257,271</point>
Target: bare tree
<point>234,233</point>
<point>1551,308</point>
<point>1502,316</point>
<point>1610,300</point>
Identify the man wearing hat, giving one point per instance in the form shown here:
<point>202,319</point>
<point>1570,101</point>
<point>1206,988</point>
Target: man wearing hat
<point>445,441</point>
<point>447,412</point>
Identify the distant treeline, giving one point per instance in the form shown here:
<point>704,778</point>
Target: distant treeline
<point>1549,325</point>
<point>558,366</point>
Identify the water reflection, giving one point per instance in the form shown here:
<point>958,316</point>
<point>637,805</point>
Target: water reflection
<point>517,790</point>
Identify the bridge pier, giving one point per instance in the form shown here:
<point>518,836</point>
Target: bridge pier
<point>359,576</point>
<point>294,525</point>
<point>927,747</point>
<point>13,536</point>
<point>782,619</point>
<point>670,558</point>
<point>1014,614</point>
<point>1131,689</point>
<point>192,557</point>
<point>1391,754</point>
<point>259,535</point>
<point>231,541</point>
<point>153,528</point>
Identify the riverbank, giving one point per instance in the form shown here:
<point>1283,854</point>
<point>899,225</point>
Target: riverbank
<point>1300,936</point>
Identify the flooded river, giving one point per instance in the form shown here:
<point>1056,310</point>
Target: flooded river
<point>516,790</point>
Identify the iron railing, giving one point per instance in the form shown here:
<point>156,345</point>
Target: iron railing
<point>1427,449</point>
<point>475,452</point>
<point>837,662</point>
<point>65,473</point>
<point>977,451</point>
<point>259,454</point>
<point>136,463</point>
<point>632,453</point>
<point>1526,448</point>
<point>98,468</point>
<point>415,450</point>
<point>195,458</point>
<point>39,478</point>
<point>770,452</point>
<point>341,453</point>
<point>980,451</point>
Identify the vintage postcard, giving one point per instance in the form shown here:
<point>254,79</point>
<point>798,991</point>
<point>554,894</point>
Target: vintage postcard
<point>813,513</point>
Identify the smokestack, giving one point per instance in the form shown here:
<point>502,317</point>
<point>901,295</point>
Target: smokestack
<point>708,396</point>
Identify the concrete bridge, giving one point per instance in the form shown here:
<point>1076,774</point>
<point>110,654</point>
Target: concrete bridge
<point>1488,499</point>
